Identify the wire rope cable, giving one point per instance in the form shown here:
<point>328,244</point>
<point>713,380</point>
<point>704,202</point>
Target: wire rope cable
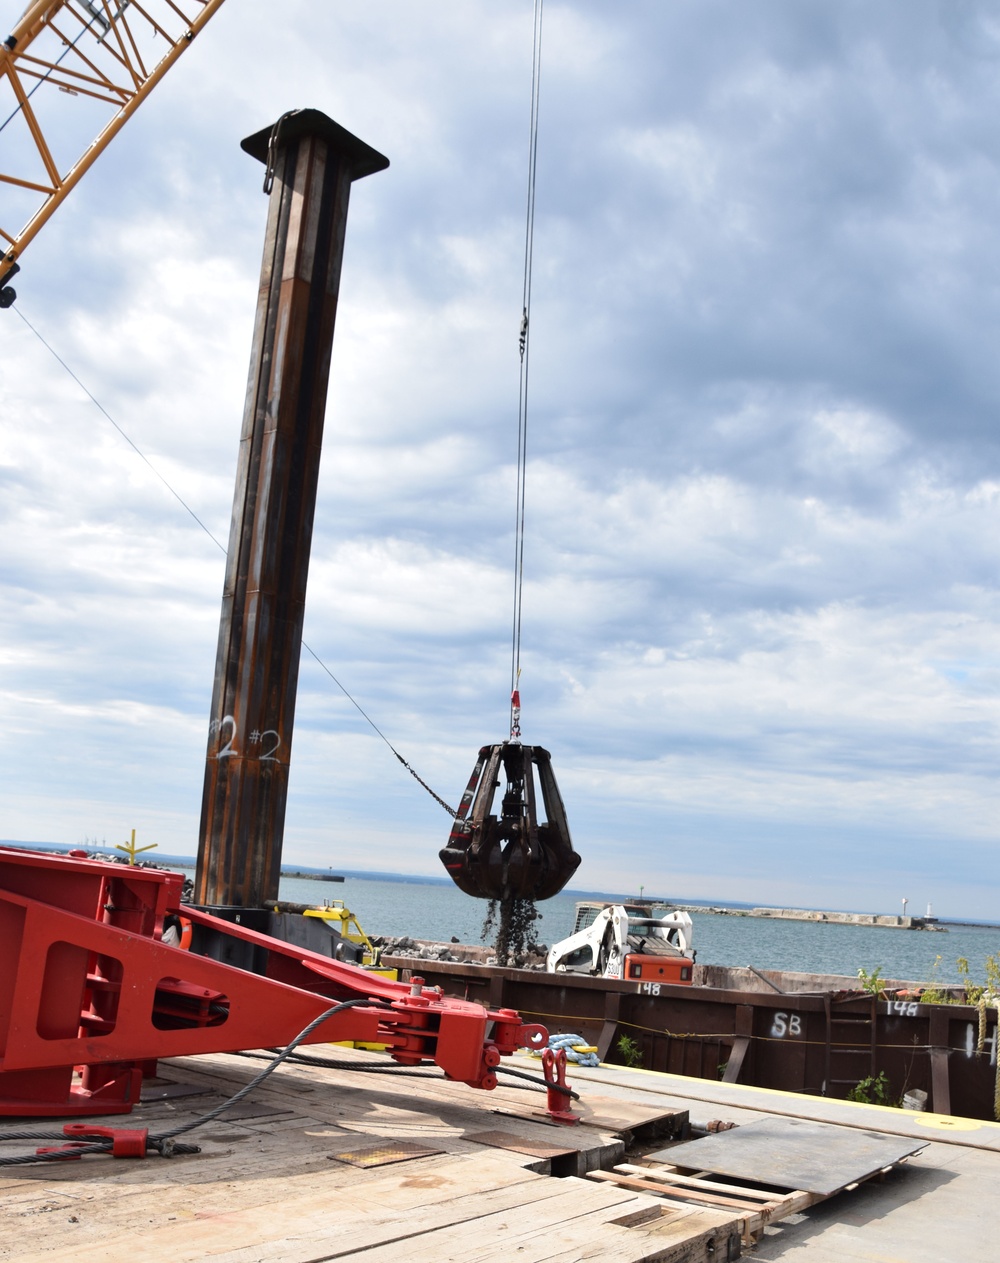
<point>165,1142</point>
<point>182,1128</point>
<point>524,349</point>
<point>187,508</point>
<point>107,415</point>
<point>43,78</point>
<point>532,1081</point>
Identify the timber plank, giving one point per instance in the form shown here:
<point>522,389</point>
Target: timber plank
<point>124,1209</point>
<point>619,1117</point>
<point>613,1115</point>
<point>341,1106</point>
<point>779,1205</point>
<point>570,1220</point>
<point>355,1101</point>
<point>682,1194</point>
<point>404,1236</point>
<point>264,1187</point>
<point>216,1229</point>
<point>152,1191</point>
<point>706,1236</point>
<point>517,1143</point>
<point>350,1098</point>
<point>127,1189</point>
<point>689,1181</point>
<point>759,1208</point>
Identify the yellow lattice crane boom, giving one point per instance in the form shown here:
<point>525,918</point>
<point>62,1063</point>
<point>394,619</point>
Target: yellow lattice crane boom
<point>72,72</point>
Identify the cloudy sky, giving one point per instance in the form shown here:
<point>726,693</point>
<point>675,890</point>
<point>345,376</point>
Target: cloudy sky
<point>761,616</point>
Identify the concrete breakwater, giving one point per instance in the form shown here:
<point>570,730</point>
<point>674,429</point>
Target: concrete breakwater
<point>886,921</point>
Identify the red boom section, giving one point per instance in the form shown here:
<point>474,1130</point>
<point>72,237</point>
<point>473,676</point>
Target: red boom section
<point>90,997</point>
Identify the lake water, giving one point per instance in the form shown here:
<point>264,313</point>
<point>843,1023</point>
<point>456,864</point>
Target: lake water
<point>438,912</point>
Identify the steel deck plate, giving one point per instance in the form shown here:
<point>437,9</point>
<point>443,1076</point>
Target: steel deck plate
<point>792,1154</point>
<point>382,1155</point>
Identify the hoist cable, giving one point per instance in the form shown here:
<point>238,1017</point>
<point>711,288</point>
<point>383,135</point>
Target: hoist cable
<point>524,340</point>
<point>184,504</point>
<point>165,1142</point>
<point>107,415</point>
<point>450,810</point>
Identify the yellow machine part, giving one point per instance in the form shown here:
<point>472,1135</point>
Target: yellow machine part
<point>347,925</point>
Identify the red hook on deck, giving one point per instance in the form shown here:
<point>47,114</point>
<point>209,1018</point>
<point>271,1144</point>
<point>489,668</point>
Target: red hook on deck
<point>554,1069</point>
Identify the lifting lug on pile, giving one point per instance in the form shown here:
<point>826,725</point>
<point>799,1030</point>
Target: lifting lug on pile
<point>512,856</point>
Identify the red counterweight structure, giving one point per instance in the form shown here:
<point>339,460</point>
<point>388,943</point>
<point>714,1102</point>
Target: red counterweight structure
<point>90,997</point>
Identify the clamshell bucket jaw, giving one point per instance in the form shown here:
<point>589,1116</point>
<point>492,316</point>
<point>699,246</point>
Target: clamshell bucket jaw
<point>511,856</point>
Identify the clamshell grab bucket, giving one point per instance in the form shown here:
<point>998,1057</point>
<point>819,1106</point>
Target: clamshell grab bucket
<point>513,855</point>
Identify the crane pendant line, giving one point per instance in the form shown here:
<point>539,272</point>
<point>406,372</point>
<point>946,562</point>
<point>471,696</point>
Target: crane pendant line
<point>222,548</point>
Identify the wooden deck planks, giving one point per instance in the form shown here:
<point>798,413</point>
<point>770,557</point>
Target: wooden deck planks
<point>400,1217</point>
<point>752,1207</point>
<point>264,1186</point>
<point>570,1219</point>
<point>265,1190</point>
<point>212,1227</point>
<point>679,1193</point>
<point>396,1229</point>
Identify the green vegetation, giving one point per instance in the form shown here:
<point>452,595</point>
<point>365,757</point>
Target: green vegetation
<point>990,990</point>
<point>986,994</point>
<point>936,991</point>
<point>874,1090</point>
<point>871,982</point>
<point>630,1051</point>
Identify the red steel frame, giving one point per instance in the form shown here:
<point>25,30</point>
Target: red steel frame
<point>90,997</point>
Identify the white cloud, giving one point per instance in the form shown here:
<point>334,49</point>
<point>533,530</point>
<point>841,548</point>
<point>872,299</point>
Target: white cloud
<point>760,611</point>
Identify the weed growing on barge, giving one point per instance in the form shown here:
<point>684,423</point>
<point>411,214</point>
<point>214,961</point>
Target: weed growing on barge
<point>873,1090</point>
<point>630,1051</point>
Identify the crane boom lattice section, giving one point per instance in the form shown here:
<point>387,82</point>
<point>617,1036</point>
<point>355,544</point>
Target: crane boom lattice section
<point>72,72</point>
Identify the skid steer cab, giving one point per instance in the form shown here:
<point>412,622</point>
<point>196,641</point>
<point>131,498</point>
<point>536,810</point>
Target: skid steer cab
<point>629,943</point>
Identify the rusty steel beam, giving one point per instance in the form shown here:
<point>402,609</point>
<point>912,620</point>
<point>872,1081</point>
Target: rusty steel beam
<point>312,162</point>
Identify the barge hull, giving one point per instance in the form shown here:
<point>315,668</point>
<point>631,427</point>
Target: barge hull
<point>820,1044</point>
